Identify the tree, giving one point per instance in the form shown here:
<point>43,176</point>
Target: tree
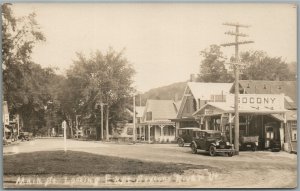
<point>101,78</point>
<point>259,66</point>
<point>24,82</point>
<point>213,66</point>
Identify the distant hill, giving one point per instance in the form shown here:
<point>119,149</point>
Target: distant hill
<point>172,91</point>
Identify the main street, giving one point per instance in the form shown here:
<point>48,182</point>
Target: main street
<point>262,169</point>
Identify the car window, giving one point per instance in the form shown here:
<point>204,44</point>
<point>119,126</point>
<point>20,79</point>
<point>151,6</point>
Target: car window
<point>213,135</point>
<point>179,132</point>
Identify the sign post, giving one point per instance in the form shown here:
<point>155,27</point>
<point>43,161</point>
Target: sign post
<point>64,126</point>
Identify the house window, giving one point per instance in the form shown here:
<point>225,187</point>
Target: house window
<point>294,135</point>
<point>149,116</point>
<point>194,105</point>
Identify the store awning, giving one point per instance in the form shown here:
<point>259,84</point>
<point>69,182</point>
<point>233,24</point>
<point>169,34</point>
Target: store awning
<point>217,108</point>
<point>291,115</point>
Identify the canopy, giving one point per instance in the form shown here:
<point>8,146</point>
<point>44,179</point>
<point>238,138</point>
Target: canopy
<point>217,108</point>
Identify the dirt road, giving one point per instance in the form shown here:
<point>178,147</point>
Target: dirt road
<point>261,169</point>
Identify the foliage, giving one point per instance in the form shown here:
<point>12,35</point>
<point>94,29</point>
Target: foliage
<point>259,66</point>
<point>24,82</point>
<point>101,78</point>
<point>213,66</point>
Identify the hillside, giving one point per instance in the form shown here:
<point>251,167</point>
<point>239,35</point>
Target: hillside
<point>166,92</point>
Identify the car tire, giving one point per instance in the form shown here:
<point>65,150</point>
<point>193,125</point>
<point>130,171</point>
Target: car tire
<point>212,150</point>
<point>230,154</point>
<point>194,148</point>
<point>180,143</point>
<point>254,148</point>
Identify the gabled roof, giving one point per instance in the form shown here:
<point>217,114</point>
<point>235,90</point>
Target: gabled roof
<point>203,90</point>
<point>161,109</point>
<point>288,88</point>
<point>177,105</point>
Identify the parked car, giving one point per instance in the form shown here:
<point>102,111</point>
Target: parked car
<point>249,143</point>
<point>211,141</point>
<point>275,146</point>
<point>24,136</point>
<point>185,135</point>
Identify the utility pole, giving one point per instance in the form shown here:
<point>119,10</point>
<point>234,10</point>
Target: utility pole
<point>101,107</point>
<point>134,129</point>
<point>77,126</point>
<point>106,123</point>
<point>102,124</point>
<point>236,68</point>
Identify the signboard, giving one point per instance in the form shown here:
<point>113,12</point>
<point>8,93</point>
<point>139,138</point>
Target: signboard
<point>208,111</point>
<point>275,101</point>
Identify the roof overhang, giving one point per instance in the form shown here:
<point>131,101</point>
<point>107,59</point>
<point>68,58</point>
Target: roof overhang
<point>223,108</point>
<point>183,119</point>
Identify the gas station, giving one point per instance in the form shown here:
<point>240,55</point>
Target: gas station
<point>262,115</point>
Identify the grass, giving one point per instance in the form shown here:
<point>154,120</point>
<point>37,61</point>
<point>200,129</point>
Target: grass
<point>82,163</point>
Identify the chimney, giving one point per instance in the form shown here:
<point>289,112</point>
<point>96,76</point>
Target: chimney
<point>193,78</point>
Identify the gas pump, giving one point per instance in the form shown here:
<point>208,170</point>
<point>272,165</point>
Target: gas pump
<point>272,140</point>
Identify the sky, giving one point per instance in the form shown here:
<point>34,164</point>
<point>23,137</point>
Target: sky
<point>161,40</point>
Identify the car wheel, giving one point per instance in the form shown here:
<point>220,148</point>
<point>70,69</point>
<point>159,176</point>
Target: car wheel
<point>212,150</point>
<point>230,154</point>
<point>180,142</point>
<point>194,148</point>
<point>254,148</point>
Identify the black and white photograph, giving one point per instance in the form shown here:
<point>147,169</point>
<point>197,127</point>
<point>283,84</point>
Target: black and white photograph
<point>143,95</point>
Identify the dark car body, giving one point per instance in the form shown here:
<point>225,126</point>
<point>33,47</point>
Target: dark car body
<point>24,136</point>
<point>275,146</point>
<point>185,135</point>
<point>211,141</point>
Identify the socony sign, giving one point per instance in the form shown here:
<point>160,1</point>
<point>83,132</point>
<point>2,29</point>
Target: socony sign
<point>262,100</point>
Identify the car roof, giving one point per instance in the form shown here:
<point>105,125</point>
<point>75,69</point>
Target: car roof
<point>208,131</point>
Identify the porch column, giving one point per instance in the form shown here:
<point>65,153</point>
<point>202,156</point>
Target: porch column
<point>230,128</point>
<point>149,127</point>
<point>206,124</point>
<point>284,135</point>
<point>221,123</point>
<point>161,132</point>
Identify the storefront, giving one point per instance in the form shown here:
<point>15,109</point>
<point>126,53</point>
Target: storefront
<point>255,117</point>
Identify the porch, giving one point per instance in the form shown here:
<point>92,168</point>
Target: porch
<point>156,132</point>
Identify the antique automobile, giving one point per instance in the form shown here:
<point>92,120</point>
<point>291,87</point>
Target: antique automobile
<point>24,136</point>
<point>211,141</point>
<point>185,135</point>
<point>275,146</point>
<point>249,143</point>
